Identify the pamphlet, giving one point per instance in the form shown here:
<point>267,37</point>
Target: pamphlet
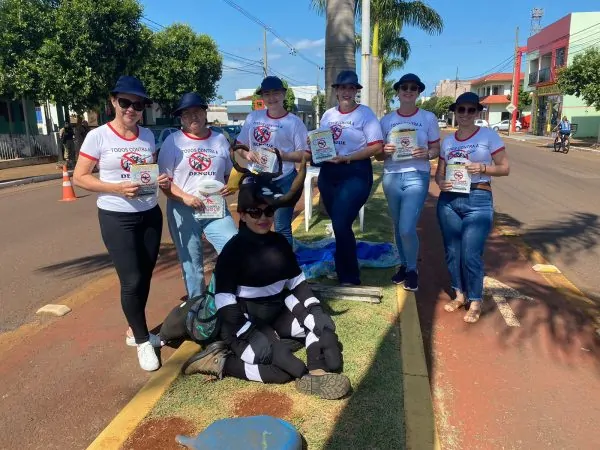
<point>459,177</point>
<point>146,176</point>
<point>321,145</point>
<point>267,163</point>
<point>213,201</point>
<point>405,140</point>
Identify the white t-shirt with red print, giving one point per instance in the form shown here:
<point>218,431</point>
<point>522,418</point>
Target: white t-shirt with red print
<point>477,148</point>
<point>287,134</point>
<point>114,155</point>
<point>188,160</point>
<point>428,132</point>
<point>352,131</point>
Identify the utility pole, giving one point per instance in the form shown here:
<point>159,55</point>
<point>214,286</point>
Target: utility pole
<point>265,52</point>
<point>366,52</point>
<point>317,106</point>
<point>455,95</point>
<point>516,81</point>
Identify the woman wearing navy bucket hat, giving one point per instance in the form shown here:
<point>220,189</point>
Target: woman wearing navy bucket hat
<point>406,178</point>
<point>131,224</point>
<point>197,161</point>
<point>465,209</point>
<point>274,127</point>
<point>345,181</point>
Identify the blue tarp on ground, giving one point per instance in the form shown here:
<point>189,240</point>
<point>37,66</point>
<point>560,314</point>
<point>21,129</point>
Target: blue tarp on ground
<point>316,258</point>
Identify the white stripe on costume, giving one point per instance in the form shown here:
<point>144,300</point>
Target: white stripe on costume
<point>309,322</point>
<point>311,301</point>
<point>297,329</point>
<point>311,338</point>
<point>291,301</point>
<point>252,372</point>
<point>248,355</point>
<point>293,282</point>
<point>261,291</point>
<point>244,328</point>
<point>222,300</point>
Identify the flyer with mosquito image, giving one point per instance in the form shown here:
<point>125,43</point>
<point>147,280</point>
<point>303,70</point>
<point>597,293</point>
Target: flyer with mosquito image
<point>322,147</point>
<point>210,196</point>
<point>460,178</point>
<point>405,140</point>
<point>267,162</point>
<point>146,177</point>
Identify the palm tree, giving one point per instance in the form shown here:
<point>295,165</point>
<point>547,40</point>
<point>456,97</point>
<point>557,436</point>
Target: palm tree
<point>387,93</point>
<point>388,17</point>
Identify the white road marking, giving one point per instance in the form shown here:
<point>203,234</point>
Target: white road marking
<point>500,292</point>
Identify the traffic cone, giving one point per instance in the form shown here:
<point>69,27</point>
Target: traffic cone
<point>68,194</point>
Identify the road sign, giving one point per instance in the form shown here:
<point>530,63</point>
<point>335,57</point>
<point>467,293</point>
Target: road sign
<point>510,108</point>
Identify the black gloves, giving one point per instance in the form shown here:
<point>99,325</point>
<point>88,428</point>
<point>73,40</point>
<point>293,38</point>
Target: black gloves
<point>322,320</point>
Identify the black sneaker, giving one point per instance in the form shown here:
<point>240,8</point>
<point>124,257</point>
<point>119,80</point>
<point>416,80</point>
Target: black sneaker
<point>329,386</point>
<point>399,276</point>
<point>411,283</point>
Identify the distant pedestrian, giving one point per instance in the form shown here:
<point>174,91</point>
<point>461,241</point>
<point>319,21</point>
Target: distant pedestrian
<point>466,219</point>
<point>275,127</point>
<point>66,136</point>
<point>80,132</point>
<point>406,179</point>
<point>345,181</point>
<point>191,157</point>
<point>131,224</point>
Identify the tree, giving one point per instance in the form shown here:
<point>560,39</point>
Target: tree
<point>441,106</point>
<point>524,99</point>
<point>181,61</point>
<point>339,40</point>
<point>289,102</point>
<point>320,97</point>
<point>582,78</point>
<point>389,94</point>
<point>430,104</point>
<point>91,44</point>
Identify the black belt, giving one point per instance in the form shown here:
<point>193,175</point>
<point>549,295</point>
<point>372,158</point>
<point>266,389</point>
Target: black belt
<point>485,186</point>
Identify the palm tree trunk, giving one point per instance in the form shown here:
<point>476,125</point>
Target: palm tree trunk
<point>339,43</point>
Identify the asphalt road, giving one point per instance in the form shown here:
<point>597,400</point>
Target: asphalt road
<point>553,199</point>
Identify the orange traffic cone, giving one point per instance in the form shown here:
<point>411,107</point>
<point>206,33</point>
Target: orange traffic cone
<point>68,194</point>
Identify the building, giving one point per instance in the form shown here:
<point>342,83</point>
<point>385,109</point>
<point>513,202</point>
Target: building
<point>451,88</point>
<point>238,109</point>
<point>494,92</point>
<point>554,47</point>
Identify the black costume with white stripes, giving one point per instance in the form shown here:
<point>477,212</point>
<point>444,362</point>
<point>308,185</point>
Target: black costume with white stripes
<point>262,296</point>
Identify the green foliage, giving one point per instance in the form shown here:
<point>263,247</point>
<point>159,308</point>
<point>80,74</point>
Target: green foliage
<point>582,78</point>
<point>322,104</point>
<point>524,99</point>
<point>389,94</point>
<point>90,45</point>
<point>181,61</point>
<point>442,105</point>
<point>289,102</point>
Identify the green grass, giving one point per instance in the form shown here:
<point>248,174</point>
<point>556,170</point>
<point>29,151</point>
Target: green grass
<point>372,417</point>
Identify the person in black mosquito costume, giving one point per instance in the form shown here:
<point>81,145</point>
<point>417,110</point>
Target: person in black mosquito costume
<point>264,303</point>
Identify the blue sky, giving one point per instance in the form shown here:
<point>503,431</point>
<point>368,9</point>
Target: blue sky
<point>478,34</point>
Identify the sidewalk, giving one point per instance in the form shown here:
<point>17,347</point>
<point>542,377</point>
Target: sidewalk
<point>548,141</point>
<point>526,375</point>
<point>29,174</point>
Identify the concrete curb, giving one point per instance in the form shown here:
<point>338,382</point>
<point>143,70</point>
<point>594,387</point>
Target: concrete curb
<point>30,180</point>
<point>550,145</point>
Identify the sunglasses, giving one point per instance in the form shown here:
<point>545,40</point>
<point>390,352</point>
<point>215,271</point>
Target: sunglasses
<point>463,109</point>
<point>409,87</point>
<point>125,104</point>
<point>256,213</point>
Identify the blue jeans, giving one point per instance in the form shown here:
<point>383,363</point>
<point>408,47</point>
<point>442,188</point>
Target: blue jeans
<point>345,188</point>
<point>186,232</point>
<point>466,222</point>
<point>283,216</point>
<point>406,193</point>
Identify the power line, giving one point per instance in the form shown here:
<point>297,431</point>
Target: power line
<point>241,70</point>
<point>294,51</point>
<point>508,60</point>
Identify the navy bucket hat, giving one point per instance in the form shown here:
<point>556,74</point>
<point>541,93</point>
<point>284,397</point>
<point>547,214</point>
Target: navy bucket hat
<point>127,84</point>
<point>347,77</point>
<point>467,97</point>
<point>190,100</point>
<point>271,84</point>
<point>409,78</point>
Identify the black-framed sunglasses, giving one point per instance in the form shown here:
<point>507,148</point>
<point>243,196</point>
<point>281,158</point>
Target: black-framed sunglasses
<point>409,87</point>
<point>126,103</point>
<point>256,213</point>
<point>464,109</point>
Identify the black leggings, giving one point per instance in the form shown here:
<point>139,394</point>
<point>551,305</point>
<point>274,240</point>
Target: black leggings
<point>133,241</point>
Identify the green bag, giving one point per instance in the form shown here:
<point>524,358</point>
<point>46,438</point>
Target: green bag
<point>202,322</point>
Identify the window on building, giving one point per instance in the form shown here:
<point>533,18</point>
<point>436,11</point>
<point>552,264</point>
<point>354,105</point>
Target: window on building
<point>560,57</point>
<point>497,89</point>
<point>488,90</point>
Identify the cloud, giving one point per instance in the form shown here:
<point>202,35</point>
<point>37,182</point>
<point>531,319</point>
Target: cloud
<point>302,44</point>
<point>273,56</point>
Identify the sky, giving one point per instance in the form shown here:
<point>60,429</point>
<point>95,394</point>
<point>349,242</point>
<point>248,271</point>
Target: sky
<point>478,35</point>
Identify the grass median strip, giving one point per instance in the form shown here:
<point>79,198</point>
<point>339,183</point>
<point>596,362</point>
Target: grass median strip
<point>371,417</point>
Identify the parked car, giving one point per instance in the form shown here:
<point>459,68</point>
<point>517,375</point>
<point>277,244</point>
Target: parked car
<point>482,123</point>
<point>233,130</point>
<point>160,134</point>
<point>442,123</point>
<point>505,124</point>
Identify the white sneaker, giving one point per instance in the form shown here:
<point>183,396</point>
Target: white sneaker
<point>154,340</point>
<point>147,357</point>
